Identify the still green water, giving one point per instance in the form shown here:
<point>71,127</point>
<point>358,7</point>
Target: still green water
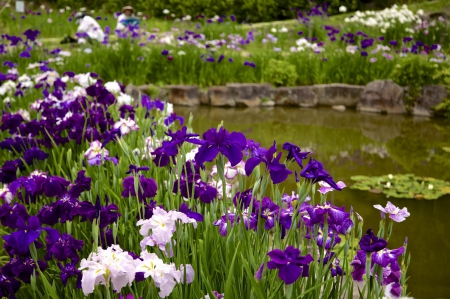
<point>350,143</point>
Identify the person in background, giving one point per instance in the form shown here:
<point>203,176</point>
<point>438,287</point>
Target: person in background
<point>88,29</point>
<point>126,18</point>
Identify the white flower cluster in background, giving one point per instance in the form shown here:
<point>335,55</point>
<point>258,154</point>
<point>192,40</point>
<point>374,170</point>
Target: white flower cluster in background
<point>386,18</point>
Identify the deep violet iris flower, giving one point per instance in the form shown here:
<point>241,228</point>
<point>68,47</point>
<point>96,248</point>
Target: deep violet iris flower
<point>290,264</point>
<point>314,171</point>
<point>169,149</point>
<point>172,118</point>
<point>294,153</point>
<point>371,243</point>
<point>26,234</point>
<point>214,141</point>
<point>278,171</point>
<point>191,214</point>
<point>147,187</point>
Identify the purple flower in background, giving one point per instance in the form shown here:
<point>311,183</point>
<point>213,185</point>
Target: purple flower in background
<point>364,54</point>
<point>10,214</point>
<point>216,141</point>
<point>248,63</point>
<point>135,169</point>
<point>394,290</point>
<point>68,271</point>
<point>25,54</point>
<point>221,57</point>
<point>172,118</point>
<point>8,285</point>
<point>365,43</point>
<point>371,243</point>
<point>146,189</point>
<point>259,273</point>
<point>300,33</point>
<point>165,52</point>
<point>9,64</point>
<point>394,212</point>
<point>223,225</point>
<point>294,153</point>
<point>233,18</point>
<point>290,264</point>
<point>243,198</point>
<point>314,171</point>
<point>230,60</point>
<point>31,34</point>
<point>393,43</point>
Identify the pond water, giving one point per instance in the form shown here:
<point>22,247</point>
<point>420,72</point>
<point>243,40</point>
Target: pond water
<point>351,143</point>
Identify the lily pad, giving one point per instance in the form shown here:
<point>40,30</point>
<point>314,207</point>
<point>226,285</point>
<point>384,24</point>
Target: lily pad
<point>403,186</point>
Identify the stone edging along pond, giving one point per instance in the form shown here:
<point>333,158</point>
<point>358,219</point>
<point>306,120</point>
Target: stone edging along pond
<point>380,96</point>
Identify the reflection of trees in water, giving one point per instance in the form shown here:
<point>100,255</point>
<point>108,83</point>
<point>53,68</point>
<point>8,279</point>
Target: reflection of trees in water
<point>419,149</point>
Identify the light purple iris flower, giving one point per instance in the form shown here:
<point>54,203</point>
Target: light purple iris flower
<point>394,212</point>
<point>325,187</point>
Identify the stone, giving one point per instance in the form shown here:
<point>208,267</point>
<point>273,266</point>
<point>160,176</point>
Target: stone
<point>249,94</point>
<point>431,95</point>
<point>338,107</point>
<point>338,94</point>
<point>183,95</point>
<point>204,100</point>
<point>133,91</point>
<point>269,103</point>
<point>302,96</point>
<point>382,96</point>
<point>220,96</point>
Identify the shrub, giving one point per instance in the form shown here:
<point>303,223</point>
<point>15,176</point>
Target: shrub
<point>414,72</point>
<point>280,73</point>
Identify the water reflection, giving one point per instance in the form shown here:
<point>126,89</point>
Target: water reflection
<point>351,143</point>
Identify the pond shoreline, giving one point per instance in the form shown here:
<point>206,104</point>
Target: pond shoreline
<point>380,96</point>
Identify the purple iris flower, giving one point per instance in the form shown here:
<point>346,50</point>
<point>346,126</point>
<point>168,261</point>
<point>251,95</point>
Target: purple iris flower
<point>314,171</point>
<point>300,33</point>
<point>393,43</point>
<point>365,43</point>
<point>68,271</point>
<point>149,104</point>
<point>22,268</point>
<point>9,64</point>
<point>165,52</point>
<point>278,171</point>
<point>251,64</point>
<point>147,189</point>
<point>135,169</point>
<point>202,190</point>
<point>210,59</point>
<point>34,153</point>
<point>10,214</point>
<point>169,149</point>
<point>269,211</point>
<point>371,243</point>
<point>259,273</point>
<point>387,257</point>
<point>337,217</point>
<point>233,18</point>
<point>395,213</point>
<point>31,34</point>
<point>243,198</point>
<point>8,286</point>
<point>191,214</point>
<point>364,54</point>
<point>21,239</point>
<point>172,118</point>
<point>359,266</point>
<point>290,264</point>
<point>221,57</point>
<point>230,60</point>
<point>223,225</point>
<point>11,122</point>
<point>294,153</point>
<point>25,54</point>
<point>63,247</point>
<point>214,141</point>
<point>332,240</point>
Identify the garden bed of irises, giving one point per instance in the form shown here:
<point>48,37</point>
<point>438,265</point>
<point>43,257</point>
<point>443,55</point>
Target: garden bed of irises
<point>208,51</point>
<point>107,196</point>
